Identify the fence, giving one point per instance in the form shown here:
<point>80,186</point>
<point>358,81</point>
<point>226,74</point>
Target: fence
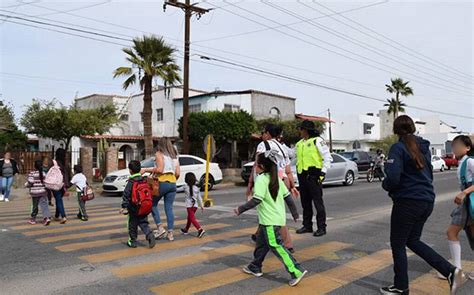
<point>26,160</point>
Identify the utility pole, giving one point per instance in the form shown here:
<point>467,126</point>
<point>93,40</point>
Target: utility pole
<point>330,130</point>
<point>189,9</point>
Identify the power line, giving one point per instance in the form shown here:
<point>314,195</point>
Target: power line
<point>434,83</point>
<point>56,79</point>
<point>331,88</point>
<point>75,9</point>
<point>285,25</point>
<point>426,58</point>
<point>365,45</point>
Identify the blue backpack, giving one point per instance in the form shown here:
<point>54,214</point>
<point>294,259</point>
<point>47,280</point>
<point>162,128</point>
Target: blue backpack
<point>466,184</point>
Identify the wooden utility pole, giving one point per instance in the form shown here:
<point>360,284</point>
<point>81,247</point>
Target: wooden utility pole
<point>330,130</point>
<point>189,9</point>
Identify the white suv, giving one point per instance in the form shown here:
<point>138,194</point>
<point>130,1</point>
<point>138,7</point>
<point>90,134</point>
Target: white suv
<point>116,181</point>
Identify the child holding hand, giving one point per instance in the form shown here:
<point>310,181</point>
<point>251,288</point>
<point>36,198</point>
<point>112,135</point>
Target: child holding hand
<point>192,198</point>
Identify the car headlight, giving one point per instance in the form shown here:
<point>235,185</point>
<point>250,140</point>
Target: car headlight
<point>125,177</point>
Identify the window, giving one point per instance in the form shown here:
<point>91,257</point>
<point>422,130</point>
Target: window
<point>368,128</point>
<point>231,108</point>
<point>186,161</point>
<point>275,113</point>
<point>337,159</point>
<point>159,114</point>
<point>195,108</point>
<point>124,117</point>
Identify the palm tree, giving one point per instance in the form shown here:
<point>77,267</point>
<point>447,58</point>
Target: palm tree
<point>150,57</point>
<point>399,87</point>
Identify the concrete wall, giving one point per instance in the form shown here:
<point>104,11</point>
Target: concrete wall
<point>263,103</point>
<point>351,127</point>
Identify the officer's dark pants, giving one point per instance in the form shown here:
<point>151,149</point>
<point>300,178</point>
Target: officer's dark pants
<point>311,192</point>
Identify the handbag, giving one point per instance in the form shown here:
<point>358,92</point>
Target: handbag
<point>154,184</point>
<point>87,193</point>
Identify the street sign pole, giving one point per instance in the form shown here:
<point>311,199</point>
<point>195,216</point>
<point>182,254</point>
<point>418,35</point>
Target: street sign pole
<point>207,202</point>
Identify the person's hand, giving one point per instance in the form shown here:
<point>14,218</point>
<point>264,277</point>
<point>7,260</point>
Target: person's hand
<point>142,171</point>
<point>236,211</point>
<point>459,198</point>
<point>202,209</point>
<point>295,193</point>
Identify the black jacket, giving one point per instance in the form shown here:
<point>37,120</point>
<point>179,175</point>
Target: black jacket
<point>127,195</point>
<point>14,166</point>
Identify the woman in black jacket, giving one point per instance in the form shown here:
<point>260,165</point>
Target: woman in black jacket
<point>8,170</point>
<point>409,182</point>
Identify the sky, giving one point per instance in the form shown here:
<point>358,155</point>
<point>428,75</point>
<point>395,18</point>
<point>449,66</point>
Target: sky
<point>355,47</point>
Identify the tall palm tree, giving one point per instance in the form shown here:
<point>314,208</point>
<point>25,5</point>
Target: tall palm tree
<point>150,58</point>
<point>399,87</point>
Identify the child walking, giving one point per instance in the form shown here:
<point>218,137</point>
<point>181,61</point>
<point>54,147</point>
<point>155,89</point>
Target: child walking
<point>192,198</point>
<point>80,181</point>
<point>39,194</point>
<point>270,196</point>
<point>462,148</point>
<point>136,187</point>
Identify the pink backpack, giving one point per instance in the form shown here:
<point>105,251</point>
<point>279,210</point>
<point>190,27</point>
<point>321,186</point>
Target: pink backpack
<point>54,178</point>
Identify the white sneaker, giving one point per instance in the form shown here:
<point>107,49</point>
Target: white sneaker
<point>1,198</point>
<point>7,200</point>
<point>170,236</point>
<point>159,233</point>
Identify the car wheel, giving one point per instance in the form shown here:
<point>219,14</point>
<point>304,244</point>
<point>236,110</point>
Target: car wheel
<point>349,178</point>
<point>210,185</point>
<point>449,167</point>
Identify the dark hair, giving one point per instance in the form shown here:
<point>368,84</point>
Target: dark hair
<point>404,127</point>
<point>273,130</point>
<point>465,140</point>
<point>135,166</point>
<point>190,180</point>
<point>77,169</point>
<point>60,156</point>
<point>39,167</point>
<point>272,169</point>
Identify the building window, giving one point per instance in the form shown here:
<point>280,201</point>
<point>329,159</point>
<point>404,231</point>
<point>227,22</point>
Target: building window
<point>368,128</point>
<point>124,117</point>
<point>159,114</point>
<point>231,108</point>
<point>275,113</point>
<point>195,108</point>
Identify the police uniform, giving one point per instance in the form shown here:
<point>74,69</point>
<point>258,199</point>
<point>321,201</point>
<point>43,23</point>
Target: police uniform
<point>313,161</point>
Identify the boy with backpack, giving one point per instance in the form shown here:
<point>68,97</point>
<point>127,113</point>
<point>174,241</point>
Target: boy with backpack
<point>137,203</point>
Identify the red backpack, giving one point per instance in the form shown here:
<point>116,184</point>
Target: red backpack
<point>142,197</point>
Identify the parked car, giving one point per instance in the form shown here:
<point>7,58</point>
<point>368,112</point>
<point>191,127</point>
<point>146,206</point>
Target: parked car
<point>450,160</point>
<point>438,163</point>
<point>342,171</point>
<point>362,159</point>
<point>116,181</point>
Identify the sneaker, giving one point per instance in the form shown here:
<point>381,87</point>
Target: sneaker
<point>295,281</point>
<point>32,221</point>
<point>7,200</point>
<point>254,238</point>
<point>170,236</point>
<point>1,198</point>
<point>440,276</point>
<point>132,244</point>
<point>46,221</point>
<point>320,233</point>
<point>247,270</point>
<point>63,220</point>
<point>304,230</point>
<point>392,290</point>
<point>84,218</point>
<point>184,232</point>
<point>151,240</point>
<point>159,233</point>
<point>201,233</point>
<point>456,279</point>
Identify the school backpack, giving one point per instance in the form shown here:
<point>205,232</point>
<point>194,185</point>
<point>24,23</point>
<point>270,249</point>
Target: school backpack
<point>54,179</point>
<point>87,193</point>
<point>470,198</point>
<point>142,197</point>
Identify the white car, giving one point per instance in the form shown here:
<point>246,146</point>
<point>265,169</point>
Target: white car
<point>438,163</point>
<point>116,181</point>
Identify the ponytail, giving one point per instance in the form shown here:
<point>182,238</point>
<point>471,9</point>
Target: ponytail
<point>39,167</point>
<point>272,169</point>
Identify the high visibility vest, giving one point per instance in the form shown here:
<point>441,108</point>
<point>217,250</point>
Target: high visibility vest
<point>307,155</point>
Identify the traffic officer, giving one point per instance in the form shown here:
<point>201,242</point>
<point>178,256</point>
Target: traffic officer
<point>313,159</point>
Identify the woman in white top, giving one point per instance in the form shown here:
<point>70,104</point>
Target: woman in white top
<point>167,169</point>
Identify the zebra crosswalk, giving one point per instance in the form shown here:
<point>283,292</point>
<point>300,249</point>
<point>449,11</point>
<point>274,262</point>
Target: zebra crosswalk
<point>101,241</point>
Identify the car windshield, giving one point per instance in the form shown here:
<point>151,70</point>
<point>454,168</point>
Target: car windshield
<point>148,163</point>
<point>347,155</point>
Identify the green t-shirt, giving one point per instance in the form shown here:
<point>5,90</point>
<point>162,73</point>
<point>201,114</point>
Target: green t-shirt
<point>270,212</point>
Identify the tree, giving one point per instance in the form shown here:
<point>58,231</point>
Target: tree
<point>385,143</point>
<point>46,119</point>
<point>399,87</point>
<point>11,138</point>
<point>151,58</point>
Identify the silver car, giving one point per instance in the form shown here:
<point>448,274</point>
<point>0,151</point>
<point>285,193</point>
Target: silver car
<point>342,171</point>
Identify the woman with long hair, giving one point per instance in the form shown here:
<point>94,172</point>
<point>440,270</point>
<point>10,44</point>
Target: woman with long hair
<point>409,182</point>
<point>167,170</point>
<point>8,170</point>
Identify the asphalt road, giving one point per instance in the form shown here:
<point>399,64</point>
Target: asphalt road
<point>91,257</point>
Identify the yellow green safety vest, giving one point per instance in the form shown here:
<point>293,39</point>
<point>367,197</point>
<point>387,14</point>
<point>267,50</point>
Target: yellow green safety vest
<point>307,155</point>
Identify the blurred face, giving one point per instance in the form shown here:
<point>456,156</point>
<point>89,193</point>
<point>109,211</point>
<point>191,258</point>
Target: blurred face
<point>303,132</point>
<point>259,169</point>
<point>459,149</point>
<point>266,135</point>
<point>46,162</point>
<point>8,156</point>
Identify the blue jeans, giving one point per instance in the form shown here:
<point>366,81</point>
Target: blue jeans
<point>406,227</point>
<point>168,193</point>
<point>6,186</point>
<point>58,197</point>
